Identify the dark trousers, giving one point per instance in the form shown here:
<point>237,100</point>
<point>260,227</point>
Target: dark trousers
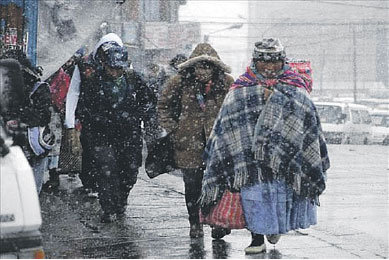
<point>116,174</point>
<point>193,181</point>
<point>88,172</point>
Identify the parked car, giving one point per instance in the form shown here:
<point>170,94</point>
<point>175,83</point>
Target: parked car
<point>345,123</point>
<point>380,128</point>
<point>20,215</point>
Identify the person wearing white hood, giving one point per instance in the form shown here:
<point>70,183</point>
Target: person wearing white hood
<point>82,72</point>
<point>111,101</point>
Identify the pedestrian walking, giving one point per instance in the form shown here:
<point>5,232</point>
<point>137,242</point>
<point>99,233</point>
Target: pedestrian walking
<point>112,104</point>
<point>27,113</point>
<point>160,150</point>
<point>267,147</point>
<point>155,78</point>
<point>187,109</point>
<point>173,64</point>
<point>84,73</point>
<point>59,84</point>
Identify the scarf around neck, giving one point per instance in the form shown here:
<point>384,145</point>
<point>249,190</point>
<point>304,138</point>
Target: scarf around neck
<point>287,76</point>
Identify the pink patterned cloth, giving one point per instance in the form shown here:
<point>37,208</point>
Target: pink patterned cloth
<point>297,73</point>
<point>59,88</point>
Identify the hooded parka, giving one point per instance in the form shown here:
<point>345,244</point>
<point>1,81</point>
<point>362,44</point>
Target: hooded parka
<point>179,109</point>
<point>111,111</point>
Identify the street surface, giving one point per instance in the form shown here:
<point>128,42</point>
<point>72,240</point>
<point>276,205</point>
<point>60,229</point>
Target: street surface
<point>352,220</point>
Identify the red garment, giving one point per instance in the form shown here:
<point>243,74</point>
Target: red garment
<point>303,68</point>
<point>208,86</point>
<point>59,88</point>
<point>227,213</point>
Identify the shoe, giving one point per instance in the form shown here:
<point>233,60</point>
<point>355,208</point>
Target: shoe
<point>219,232</point>
<point>196,231</point>
<point>50,186</point>
<point>121,213</point>
<point>107,218</point>
<point>93,195</point>
<point>255,249</point>
<point>273,239</point>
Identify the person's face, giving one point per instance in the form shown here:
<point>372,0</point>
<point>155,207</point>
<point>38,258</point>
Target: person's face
<point>113,72</point>
<point>153,71</point>
<point>203,72</point>
<point>269,69</point>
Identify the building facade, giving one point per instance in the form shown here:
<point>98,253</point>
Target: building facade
<point>18,26</point>
<point>347,42</point>
<point>149,29</point>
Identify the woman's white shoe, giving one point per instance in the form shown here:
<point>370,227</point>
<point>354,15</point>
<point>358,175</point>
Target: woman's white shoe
<point>255,249</point>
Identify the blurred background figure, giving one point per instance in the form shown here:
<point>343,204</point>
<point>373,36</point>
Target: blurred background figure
<point>28,119</point>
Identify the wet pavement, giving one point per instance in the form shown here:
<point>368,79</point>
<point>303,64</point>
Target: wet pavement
<point>352,219</point>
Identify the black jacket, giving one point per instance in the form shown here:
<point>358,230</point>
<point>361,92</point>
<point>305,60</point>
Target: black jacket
<point>111,111</point>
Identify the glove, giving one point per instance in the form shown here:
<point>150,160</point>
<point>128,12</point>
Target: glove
<point>73,141</point>
<point>162,133</point>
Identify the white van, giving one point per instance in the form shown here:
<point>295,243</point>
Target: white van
<point>20,216</point>
<point>345,123</point>
<point>380,128</point>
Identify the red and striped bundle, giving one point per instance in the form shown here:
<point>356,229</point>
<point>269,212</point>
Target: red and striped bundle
<point>227,213</point>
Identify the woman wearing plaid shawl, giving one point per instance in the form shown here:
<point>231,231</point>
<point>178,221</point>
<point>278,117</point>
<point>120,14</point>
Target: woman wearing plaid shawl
<point>267,144</point>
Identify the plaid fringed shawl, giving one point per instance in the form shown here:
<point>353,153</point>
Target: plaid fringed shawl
<point>254,140</point>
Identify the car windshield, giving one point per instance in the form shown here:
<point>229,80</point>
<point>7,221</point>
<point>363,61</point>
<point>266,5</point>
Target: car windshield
<point>365,116</point>
<point>380,120</point>
<point>330,114</point>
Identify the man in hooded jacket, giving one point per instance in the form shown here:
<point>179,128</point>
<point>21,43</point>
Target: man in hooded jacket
<point>82,74</point>
<point>113,102</point>
<point>187,108</point>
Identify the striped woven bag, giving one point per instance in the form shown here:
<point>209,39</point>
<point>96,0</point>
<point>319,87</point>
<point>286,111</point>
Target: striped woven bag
<point>227,213</point>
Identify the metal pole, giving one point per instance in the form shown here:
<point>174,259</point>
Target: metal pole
<point>322,72</point>
<point>354,64</point>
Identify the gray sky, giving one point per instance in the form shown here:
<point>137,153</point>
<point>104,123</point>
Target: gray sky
<point>217,15</point>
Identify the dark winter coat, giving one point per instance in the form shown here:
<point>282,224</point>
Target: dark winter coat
<point>29,103</point>
<point>179,110</point>
<point>111,111</point>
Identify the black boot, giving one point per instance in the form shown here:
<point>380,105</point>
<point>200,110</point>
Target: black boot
<point>219,232</point>
<point>107,218</point>
<point>53,183</point>
<point>120,212</point>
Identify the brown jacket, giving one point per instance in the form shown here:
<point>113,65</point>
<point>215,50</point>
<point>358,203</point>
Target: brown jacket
<point>179,110</point>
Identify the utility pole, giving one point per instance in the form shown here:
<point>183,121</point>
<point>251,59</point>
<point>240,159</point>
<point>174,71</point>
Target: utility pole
<point>323,61</point>
<point>354,65</point>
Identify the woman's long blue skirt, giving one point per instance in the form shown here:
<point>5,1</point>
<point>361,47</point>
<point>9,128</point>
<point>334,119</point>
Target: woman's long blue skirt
<point>274,208</point>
